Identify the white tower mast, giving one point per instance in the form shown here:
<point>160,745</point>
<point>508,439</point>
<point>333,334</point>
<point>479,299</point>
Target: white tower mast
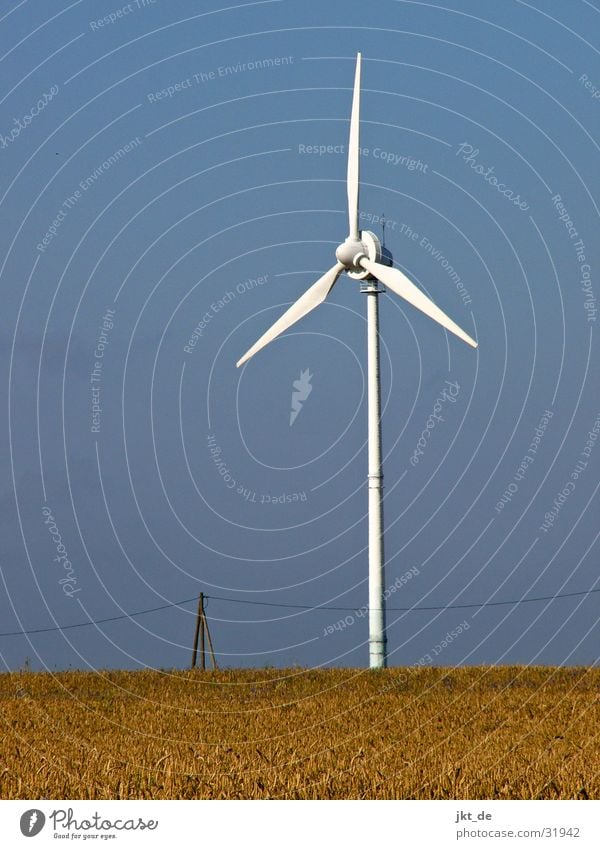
<point>377,636</point>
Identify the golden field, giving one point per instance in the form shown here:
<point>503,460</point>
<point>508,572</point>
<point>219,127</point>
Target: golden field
<point>427,733</point>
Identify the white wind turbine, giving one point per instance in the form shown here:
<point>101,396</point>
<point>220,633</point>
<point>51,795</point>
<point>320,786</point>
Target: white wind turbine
<point>360,256</point>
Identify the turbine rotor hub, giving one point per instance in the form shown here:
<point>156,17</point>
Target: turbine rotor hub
<point>352,250</point>
<point>348,252</point>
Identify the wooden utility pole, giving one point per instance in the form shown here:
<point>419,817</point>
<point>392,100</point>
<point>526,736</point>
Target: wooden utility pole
<point>210,645</point>
<point>201,630</point>
<point>199,625</point>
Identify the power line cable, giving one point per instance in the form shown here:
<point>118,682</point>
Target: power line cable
<point>296,607</point>
<point>409,609</point>
<point>97,621</point>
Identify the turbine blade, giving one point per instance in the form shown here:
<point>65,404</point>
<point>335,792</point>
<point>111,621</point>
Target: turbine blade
<point>354,155</point>
<point>402,286</point>
<point>305,303</point>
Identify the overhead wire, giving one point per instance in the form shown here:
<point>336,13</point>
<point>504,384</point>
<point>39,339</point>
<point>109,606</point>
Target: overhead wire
<point>308,607</point>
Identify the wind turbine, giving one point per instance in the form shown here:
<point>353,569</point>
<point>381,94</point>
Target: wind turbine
<point>361,257</point>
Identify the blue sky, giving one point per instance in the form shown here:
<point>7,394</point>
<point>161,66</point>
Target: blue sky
<point>171,180</point>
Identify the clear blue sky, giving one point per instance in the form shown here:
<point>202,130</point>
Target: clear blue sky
<point>171,179</point>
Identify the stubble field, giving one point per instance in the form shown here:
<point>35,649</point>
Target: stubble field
<point>486,733</point>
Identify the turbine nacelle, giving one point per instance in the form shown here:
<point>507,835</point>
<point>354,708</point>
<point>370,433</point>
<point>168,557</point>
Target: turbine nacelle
<point>352,251</point>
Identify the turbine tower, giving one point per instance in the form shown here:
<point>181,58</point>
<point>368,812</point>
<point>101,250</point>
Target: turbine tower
<point>361,257</point>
